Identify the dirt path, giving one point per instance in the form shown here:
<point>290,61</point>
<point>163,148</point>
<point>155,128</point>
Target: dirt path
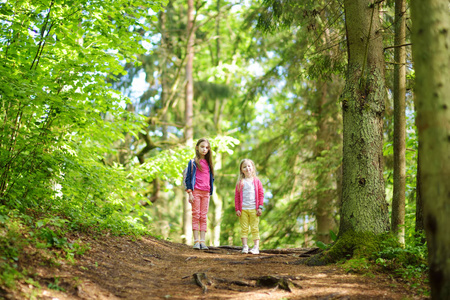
<point>147,268</point>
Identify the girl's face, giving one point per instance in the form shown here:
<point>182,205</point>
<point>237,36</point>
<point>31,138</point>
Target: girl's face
<point>247,168</point>
<point>203,148</point>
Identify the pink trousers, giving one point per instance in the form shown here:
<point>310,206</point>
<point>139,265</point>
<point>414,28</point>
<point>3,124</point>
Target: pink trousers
<point>200,209</point>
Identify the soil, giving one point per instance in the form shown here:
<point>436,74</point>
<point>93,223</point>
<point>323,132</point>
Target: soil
<point>148,268</point>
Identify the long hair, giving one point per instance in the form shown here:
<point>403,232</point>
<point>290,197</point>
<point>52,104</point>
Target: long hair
<point>208,156</point>
<point>241,174</point>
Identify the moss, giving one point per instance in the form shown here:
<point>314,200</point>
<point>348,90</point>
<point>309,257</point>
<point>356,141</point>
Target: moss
<point>354,245</point>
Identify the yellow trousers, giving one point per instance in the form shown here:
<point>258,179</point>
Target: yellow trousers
<point>249,220</point>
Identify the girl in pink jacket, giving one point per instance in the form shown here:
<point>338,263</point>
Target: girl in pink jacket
<point>249,201</point>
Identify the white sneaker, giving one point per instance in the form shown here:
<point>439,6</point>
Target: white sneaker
<point>245,249</point>
<point>254,250</point>
<point>197,246</point>
<point>203,246</point>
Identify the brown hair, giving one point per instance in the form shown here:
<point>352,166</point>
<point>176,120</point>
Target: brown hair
<point>208,156</point>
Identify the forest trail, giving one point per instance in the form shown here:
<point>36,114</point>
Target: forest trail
<point>148,268</point>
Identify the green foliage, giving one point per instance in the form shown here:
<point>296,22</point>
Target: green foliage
<point>356,265</point>
<point>11,245</point>
<point>355,245</point>
<point>367,253</point>
<point>55,285</point>
<point>168,164</point>
<point>409,262</point>
<point>321,245</point>
<point>60,115</point>
<point>19,236</point>
<point>324,246</point>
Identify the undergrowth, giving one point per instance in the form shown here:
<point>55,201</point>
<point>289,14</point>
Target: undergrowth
<point>49,236</point>
<point>383,254</point>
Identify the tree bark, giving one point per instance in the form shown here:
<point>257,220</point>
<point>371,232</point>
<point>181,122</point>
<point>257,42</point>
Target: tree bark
<point>420,227</point>
<point>364,208</point>
<point>216,208</point>
<point>324,205</point>
<point>398,201</point>
<point>189,91</point>
<point>431,42</point>
<point>189,130</point>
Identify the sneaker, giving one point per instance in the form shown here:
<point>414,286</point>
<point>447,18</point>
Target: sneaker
<point>197,246</point>
<point>254,250</point>
<point>245,249</point>
<point>203,246</point>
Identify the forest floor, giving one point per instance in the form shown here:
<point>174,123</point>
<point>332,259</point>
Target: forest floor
<point>148,268</point>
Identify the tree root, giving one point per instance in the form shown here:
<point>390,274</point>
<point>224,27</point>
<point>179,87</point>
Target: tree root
<point>235,282</point>
<point>288,251</point>
<point>234,248</point>
<point>284,283</point>
<point>202,281</point>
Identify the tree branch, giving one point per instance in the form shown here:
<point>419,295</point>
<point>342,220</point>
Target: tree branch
<point>397,46</point>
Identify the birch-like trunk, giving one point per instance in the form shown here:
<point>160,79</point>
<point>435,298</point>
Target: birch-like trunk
<point>398,200</point>
<point>189,130</point>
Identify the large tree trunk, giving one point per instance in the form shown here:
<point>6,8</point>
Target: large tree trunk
<point>398,201</point>
<point>189,94</point>
<point>431,42</point>
<point>364,208</point>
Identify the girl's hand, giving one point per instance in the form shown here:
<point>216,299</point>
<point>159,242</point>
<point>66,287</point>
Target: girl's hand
<point>238,213</point>
<point>191,198</point>
<point>259,212</point>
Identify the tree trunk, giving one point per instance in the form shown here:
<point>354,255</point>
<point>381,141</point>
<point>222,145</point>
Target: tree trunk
<point>305,230</point>
<point>324,206</point>
<point>364,208</point>
<point>398,201</point>
<point>431,42</point>
<point>164,74</point>
<point>216,207</point>
<point>217,204</point>
<point>189,130</point>
<point>420,227</point>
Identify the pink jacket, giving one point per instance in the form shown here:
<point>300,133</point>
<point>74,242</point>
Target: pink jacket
<point>259,194</point>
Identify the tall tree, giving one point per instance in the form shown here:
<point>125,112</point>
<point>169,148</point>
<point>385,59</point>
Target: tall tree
<point>431,41</point>
<point>398,201</point>
<point>364,208</point>
<point>325,195</point>
<point>189,98</point>
<point>303,123</point>
<point>326,118</point>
